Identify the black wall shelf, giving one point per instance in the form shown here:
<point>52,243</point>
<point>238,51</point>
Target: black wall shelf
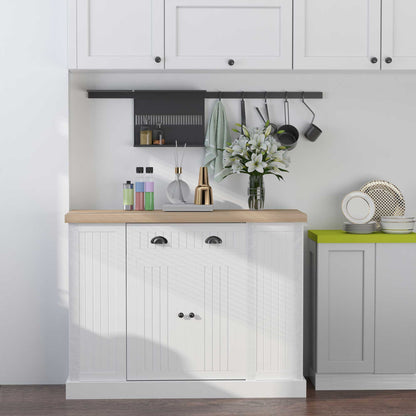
<point>181,113</point>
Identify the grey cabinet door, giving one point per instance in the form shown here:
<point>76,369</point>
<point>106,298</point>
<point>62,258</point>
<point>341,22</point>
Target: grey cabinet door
<point>345,308</point>
<point>395,351</point>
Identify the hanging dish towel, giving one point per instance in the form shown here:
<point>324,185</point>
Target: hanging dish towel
<point>216,139</point>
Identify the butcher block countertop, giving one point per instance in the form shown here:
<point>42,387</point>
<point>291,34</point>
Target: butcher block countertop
<point>217,216</point>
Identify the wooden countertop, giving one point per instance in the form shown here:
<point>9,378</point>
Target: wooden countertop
<point>112,217</point>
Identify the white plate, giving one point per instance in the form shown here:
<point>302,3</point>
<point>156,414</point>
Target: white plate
<point>358,207</point>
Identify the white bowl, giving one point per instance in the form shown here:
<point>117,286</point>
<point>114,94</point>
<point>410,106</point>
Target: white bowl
<point>397,219</point>
<point>397,231</point>
<point>397,226</point>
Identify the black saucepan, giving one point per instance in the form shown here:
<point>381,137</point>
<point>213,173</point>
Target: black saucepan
<point>288,135</point>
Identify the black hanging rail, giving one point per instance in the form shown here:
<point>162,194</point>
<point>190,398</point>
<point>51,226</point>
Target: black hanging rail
<point>213,94</point>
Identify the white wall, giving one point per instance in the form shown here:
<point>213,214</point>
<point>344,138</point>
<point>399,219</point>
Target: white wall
<point>368,121</point>
<point>34,187</point>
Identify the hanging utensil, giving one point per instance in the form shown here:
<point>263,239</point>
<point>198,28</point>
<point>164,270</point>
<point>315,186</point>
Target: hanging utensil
<point>261,115</point>
<point>243,112</point>
<point>274,129</point>
<point>288,135</point>
<point>313,131</point>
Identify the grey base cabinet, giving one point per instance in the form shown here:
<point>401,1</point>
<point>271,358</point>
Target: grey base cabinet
<point>364,311</point>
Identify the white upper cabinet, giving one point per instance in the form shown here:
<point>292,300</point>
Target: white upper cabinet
<point>338,34</point>
<point>117,34</point>
<point>399,34</point>
<point>228,34</point>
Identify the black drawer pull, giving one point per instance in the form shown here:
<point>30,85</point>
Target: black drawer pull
<point>213,239</point>
<point>159,240</point>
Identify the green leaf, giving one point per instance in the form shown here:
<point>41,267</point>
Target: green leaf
<point>237,131</point>
<point>281,132</point>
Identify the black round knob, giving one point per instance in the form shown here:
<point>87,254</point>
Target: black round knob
<point>158,59</point>
<point>191,315</point>
<point>374,60</point>
<point>231,62</point>
<point>388,60</point>
<point>180,315</point>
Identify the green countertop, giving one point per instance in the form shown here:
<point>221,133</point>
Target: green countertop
<point>339,236</point>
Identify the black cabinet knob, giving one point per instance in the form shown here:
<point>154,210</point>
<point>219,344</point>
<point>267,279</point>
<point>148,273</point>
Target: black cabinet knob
<point>231,62</point>
<point>159,240</point>
<point>388,60</point>
<point>180,315</point>
<point>158,59</point>
<point>374,60</point>
<point>191,315</point>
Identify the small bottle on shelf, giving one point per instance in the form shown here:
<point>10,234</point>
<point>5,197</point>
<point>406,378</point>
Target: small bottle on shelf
<point>159,135</point>
<point>128,196</point>
<point>149,187</point>
<point>139,185</point>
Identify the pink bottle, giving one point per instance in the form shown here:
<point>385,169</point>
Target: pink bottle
<point>139,194</point>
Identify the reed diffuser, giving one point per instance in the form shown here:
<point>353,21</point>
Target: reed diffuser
<point>178,191</point>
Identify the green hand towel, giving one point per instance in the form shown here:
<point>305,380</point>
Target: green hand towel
<point>216,139</point>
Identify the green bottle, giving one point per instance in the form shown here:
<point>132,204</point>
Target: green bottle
<point>149,191</point>
<point>128,196</point>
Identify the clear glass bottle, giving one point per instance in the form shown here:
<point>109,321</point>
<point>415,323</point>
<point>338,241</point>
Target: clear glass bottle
<point>139,185</point>
<point>149,190</point>
<point>178,191</point>
<point>128,196</point>
<point>159,135</point>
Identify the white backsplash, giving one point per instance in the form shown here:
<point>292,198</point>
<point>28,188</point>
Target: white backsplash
<point>367,121</point>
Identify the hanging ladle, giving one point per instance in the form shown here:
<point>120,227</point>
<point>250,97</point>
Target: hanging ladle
<point>313,131</point>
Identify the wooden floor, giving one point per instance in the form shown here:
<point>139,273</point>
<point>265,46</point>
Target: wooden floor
<point>50,401</point>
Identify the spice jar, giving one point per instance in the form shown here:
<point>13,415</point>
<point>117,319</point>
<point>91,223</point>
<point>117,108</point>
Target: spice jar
<point>145,135</point>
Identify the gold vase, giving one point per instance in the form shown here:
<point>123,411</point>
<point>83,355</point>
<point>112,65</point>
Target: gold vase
<point>203,192</point>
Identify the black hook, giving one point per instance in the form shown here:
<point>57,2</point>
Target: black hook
<point>220,95</point>
<point>310,109</point>
<point>265,96</point>
<point>243,94</point>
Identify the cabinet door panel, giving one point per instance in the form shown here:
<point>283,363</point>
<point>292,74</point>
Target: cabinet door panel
<point>399,33</point>
<point>97,303</point>
<point>277,254</point>
<point>336,34</point>
<point>345,316</point>
<point>185,276</point>
<point>120,34</point>
<point>395,351</point>
<point>202,34</point>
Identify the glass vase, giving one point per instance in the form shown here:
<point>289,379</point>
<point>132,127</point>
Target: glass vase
<point>178,191</point>
<point>256,192</point>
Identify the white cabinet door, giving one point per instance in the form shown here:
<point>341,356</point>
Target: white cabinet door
<point>277,261</point>
<point>119,34</point>
<point>399,33</point>
<point>228,34</point>
<point>337,34</point>
<point>395,351</point>
<point>345,308</point>
<point>186,276</point>
<point>97,349</point>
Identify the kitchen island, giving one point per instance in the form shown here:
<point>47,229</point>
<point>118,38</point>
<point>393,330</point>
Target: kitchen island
<point>186,305</point>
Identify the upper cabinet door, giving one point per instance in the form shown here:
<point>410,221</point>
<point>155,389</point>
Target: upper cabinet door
<point>399,34</point>
<point>120,34</point>
<point>338,34</point>
<point>228,34</point>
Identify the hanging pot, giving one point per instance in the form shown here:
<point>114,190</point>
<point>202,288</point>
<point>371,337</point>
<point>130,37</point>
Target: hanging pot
<point>313,131</point>
<point>288,135</point>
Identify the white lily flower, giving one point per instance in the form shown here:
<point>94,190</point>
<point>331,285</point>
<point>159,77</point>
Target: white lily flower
<point>258,142</point>
<point>256,164</point>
